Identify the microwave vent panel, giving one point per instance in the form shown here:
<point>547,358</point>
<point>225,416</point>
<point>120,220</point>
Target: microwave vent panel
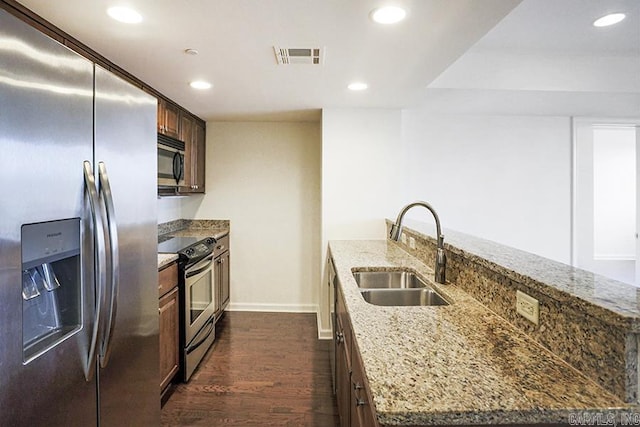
<point>299,55</point>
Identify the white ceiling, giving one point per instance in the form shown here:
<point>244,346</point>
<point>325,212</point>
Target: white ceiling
<point>537,57</point>
<point>546,58</point>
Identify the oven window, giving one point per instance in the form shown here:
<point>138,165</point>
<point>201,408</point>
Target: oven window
<point>201,294</point>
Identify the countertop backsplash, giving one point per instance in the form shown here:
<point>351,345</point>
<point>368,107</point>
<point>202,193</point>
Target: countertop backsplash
<point>177,225</point>
<point>589,321</point>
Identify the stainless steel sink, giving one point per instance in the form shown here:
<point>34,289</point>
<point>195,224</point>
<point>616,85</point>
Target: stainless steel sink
<point>388,280</point>
<point>403,297</point>
<point>396,288</point>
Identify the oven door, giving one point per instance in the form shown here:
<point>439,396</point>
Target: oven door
<point>199,297</point>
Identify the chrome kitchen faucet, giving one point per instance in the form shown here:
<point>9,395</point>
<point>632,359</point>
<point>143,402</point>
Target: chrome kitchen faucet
<point>441,258</point>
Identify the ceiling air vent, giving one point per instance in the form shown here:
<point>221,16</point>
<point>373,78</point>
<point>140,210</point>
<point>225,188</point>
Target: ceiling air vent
<point>300,55</point>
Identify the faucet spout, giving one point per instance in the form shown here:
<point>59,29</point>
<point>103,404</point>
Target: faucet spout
<point>441,258</point>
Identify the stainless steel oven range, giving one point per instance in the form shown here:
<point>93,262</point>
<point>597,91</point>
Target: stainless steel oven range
<point>197,297</point>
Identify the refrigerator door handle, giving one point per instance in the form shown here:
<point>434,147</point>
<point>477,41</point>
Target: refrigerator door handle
<point>114,258</point>
<point>100,260</point>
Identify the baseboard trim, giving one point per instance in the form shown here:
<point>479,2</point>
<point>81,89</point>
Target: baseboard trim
<point>324,334</point>
<point>278,308</point>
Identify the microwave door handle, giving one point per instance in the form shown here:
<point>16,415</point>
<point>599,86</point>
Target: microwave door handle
<point>178,167</point>
<point>100,260</point>
<point>112,228</point>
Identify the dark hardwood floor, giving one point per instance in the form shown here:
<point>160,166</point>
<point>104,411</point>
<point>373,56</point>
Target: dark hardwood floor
<point>264,369</point>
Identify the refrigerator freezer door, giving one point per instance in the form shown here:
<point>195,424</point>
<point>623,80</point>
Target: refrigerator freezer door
<point>46,122</point>
<point>125,140</point>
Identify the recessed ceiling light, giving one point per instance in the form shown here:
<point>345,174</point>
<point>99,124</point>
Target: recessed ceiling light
<point>124,14</point>
<point>388,14</point>
<point>357,86</point>
<point>611,19</point>
<point>200,84</point>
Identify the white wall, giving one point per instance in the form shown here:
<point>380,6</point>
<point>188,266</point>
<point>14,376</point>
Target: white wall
<point>172,208</point>
<point>360,174</point>
<point>360,179</point>
<point>265,178</point>
<point>503,178</point>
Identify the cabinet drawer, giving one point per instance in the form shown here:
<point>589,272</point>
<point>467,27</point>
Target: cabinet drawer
<point>222,244</point>
<point>167,279</point>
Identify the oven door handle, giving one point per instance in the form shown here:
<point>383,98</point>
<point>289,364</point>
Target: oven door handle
<point>195,345</point>
<point>200,269</point>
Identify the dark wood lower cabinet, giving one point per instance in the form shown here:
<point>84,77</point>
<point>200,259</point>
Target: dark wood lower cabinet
<point>355,405</point>
<point>343,375</point>
<point>362,410</point>
<point>169,324</point>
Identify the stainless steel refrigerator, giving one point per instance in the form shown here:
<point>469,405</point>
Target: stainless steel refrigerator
<point>78,239</point>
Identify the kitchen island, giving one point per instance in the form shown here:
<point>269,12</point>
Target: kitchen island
<point>459,364</point>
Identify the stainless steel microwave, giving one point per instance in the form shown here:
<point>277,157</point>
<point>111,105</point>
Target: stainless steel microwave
<point>170,162</point>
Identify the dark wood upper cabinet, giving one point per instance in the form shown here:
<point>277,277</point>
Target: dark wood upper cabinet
<point>193,135</point>
<point>199,157</point>
<point>169,119</point>
<point>173,120</point>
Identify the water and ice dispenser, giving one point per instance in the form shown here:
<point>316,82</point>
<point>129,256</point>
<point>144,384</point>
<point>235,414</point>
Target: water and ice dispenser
<point>51,284</point>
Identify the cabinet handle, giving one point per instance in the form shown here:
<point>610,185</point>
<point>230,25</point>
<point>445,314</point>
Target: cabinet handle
<point>357,386</point>
<point>360,402</point>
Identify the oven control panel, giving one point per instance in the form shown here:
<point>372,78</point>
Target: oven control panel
<point>199,249</point>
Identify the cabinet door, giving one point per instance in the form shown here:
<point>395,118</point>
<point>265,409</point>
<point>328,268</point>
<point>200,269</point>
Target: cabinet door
<point>160,117</point>
<point>224,280</point>
<point>217,286</point>
<point>187,132</point>
<point>193,135</point>
<point>198,157</point>
<point>172,120</point>
<point>169,345</point>
<point>362,412</point>
<point>343,377</point>
<point>168,119</point>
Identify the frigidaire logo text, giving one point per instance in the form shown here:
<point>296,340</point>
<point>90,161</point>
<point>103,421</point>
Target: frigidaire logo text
<point>59,233</point>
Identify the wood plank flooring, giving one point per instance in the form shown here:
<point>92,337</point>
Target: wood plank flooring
<point>264,369</point>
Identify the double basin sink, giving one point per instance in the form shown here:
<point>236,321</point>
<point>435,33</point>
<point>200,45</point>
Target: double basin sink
<point>396,288</point>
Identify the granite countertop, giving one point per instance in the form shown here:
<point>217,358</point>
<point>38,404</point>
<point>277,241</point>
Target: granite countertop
<point>166,259</point>
<point>455,364</point>
<point>610,300</point>
<point>216,233</point>
<point>202,229</point>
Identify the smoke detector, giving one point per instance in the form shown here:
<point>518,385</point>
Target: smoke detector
<point>299,55</point>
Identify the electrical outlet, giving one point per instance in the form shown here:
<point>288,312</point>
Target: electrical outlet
<point>412,242</point>
<point>527,306</point>
<point>404,238</point>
